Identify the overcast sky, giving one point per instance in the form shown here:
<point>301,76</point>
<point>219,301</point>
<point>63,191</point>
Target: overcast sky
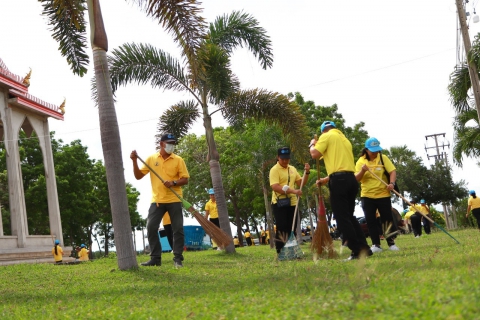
<point>384,63</point>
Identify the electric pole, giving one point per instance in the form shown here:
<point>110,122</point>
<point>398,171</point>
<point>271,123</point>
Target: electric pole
<point>441,155</point>
<point>472,69</point>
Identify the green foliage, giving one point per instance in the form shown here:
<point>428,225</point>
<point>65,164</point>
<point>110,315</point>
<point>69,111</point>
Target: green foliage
<point>69,29</point>
<point>427,279</point>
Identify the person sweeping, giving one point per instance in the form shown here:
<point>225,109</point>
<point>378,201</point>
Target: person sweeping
<point>283,178</point>
<point>338,156</point>
<point>474,206</point>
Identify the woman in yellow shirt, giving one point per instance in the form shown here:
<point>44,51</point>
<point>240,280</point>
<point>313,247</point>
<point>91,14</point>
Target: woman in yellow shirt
<point>474,206</point>
<point>57,252</point>
<point>375,196</point>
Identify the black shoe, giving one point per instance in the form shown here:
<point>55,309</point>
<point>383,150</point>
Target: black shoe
<point>152,263</point>
<point>178,264</point>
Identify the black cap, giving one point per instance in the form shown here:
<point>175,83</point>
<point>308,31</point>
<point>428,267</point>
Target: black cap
<point>284,153</point>
<point>168,137</point>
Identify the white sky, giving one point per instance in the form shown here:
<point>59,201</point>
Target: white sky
<point>384,63</point>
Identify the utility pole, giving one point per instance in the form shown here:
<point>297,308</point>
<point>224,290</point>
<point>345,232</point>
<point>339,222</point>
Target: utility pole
<point>441,156</point>
<point>472,69</point>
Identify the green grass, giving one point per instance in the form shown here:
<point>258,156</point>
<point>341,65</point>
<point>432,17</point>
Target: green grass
<point>430,278</point>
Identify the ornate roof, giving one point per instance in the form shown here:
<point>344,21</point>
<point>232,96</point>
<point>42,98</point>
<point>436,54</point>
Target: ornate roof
<point>20,97</point>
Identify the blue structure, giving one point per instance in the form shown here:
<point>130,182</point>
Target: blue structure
<point>194,239</point>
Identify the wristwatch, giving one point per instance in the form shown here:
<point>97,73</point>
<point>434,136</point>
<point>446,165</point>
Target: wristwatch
<point>174,182</point>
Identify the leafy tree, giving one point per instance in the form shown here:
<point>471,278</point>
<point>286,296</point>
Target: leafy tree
<point>206,75</point>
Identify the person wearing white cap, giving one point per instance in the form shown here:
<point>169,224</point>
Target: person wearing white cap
<point>374,194</point>
<point>212,211</point>
<point>474,206</point>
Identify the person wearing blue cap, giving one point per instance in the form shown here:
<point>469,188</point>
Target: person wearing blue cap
<point>283,178</point>
<point>474,206</point>
<point>374,194</point>
<point>340,165</point>
<point>174,173</point>
<point>426,210</point>
<point>212,211</point>
<point>83,254</point>
<point>57,252</point>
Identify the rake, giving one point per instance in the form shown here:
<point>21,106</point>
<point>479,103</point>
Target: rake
<point>408,202</point>
<point>292,250</point>
<point>217,234</point>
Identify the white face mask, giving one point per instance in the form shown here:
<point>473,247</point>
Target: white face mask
<point>169,148</point>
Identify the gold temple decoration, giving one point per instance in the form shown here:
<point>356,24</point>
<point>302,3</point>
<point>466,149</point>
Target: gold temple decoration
<point>62,106</point>
<point>26,80</point>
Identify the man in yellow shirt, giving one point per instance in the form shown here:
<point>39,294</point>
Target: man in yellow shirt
<point>474,206</point>
<point>338,156</point>
<point>211,210</point>
<point>174,173</point>
<point>262,236</point>
<point>417,217</point>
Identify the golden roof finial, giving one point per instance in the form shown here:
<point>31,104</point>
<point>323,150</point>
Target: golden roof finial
<point>26,80</point>
<point>62,106</point>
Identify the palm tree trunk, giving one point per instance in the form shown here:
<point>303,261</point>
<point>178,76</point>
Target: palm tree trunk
<point>111,145</point>
<point>216,174</point>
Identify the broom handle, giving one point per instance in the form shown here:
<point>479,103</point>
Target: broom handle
<point>298,200</point>
<point>398,194</point>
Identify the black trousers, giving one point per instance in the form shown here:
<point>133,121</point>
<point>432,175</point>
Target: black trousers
<point>476,214</point>
<point>343,191</point>
<point>416,219</point>
<point>384,207</point>
<point>426,224</point>
<point>283,220</point>
<point>169,232</point>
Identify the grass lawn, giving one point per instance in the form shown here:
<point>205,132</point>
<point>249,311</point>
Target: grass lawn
<point>432,277</point>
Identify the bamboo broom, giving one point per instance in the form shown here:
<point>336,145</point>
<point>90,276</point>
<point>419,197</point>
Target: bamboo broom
<point>322,241</point>
<point>217,234</point>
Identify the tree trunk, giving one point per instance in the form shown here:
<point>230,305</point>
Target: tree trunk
<point>216,174</point>
<point>268,208</point>
<point>111,145</point>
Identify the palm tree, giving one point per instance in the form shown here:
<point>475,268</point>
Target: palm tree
<point>205,73</point>
<point>466,137</point>
<point>69,28</point>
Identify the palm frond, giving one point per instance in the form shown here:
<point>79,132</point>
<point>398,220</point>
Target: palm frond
<point>142,63</point>
<point>259,104</point>
<point>458,88</point>
<point>466,138</point>
<point>239,29</point>
<point>215,72</point>
<point>69,30</point>
<point>180,17</point>
<point>178,119</point>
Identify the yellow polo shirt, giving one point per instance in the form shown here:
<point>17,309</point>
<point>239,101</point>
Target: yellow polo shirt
<point>59,256</point>
<point>166,219</point>
<point>371,187</point>
<point>170,169</point>
<point>211,207</point>
<point>409,214</point>
<point>474,202</point>
<point>419,208</point>
<point>279,174</point>
<point>336,150</point>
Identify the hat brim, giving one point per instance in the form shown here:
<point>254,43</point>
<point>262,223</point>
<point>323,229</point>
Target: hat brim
<point>170,141</point>
<point>284,156</point>
<point>375,149</point>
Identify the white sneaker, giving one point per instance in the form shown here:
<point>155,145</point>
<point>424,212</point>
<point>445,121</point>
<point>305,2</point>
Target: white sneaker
<point>417,236</point>
<point>376,249</point>
<point>394,248</point>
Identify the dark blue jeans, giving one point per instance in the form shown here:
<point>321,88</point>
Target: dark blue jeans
<point>155,216</point>
<point>343,191</point>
